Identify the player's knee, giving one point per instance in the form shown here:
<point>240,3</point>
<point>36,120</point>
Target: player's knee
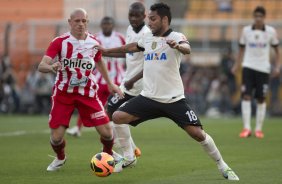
<point>119,117</point>
<point>260,100</point>
<point>246,97</point>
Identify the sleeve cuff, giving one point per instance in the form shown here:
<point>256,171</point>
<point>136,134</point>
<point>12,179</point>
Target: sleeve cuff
<point>241,45</point>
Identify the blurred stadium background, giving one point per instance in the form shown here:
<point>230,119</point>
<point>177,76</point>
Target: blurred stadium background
<point>212,27</point>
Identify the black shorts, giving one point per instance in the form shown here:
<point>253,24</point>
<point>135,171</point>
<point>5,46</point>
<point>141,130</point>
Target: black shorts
<point>254,83</point>
<point>147,109</point>
<point>114,102</point>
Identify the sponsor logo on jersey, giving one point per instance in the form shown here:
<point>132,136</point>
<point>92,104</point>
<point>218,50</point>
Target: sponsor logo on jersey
<point>78,82</point>
<point>78,63</point>
<point>257,45</point>
<point>155,56</point>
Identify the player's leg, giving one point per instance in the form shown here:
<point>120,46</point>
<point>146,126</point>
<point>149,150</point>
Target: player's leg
<point>260,94</point>
<point>246,109</point>
<point>62,109</point>
<point>181,113</point>
<point>123,138</point>
<point>133,112</point>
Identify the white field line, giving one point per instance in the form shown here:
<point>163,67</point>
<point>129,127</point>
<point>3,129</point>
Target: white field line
<point>23,132</point>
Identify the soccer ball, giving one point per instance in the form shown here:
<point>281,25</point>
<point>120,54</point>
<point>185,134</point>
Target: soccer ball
<point>102,164</point>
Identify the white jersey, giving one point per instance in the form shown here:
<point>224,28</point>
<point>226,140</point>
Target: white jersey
<point>134,61</point>
<point>161,77</point>
<point>257,47</point>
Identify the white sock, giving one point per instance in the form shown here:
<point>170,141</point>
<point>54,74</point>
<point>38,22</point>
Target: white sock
<point>260,115</point>
<point>123,136</point>
<point>246,113</point>
<point>211,149</point>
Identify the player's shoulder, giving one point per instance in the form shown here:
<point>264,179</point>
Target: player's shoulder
<point>175,34</point>
<point>247,28</point>
<point>146,29</point>
<point>270,29</point>
<point>61,37</point>
<point>94,38</point>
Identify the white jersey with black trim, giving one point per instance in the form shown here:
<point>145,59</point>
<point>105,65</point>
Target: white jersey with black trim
<point>161,76</point>
<point>257,44</point>
<point>134,61</point>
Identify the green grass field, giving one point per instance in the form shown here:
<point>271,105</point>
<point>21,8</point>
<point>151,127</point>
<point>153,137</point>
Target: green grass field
<point>169,156</point>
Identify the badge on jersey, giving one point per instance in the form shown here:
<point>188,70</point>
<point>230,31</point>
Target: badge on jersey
<point>154,45</point>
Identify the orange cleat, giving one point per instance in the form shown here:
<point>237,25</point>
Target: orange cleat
<point>137,152</point>
<point>259,134</point>
<point>245,133</point>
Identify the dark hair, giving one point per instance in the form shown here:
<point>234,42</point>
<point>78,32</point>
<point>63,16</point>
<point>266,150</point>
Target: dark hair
<point>108,19</point>
<point>162,10</point>
<point>260,9</point>
<point>138,7</point>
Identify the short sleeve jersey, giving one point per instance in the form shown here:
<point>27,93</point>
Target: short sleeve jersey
<point>115,65</point>
<point>257,47</point>
<point>78,59</point>
<point>161,77</point>
<point>134,61</point>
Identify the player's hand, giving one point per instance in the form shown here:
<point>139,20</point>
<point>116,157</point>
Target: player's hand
<point>275,72</point>
<point>173,44</point>
<point>100,48</point>
<point>234,69</point>
<point>115,89</point>
<point>128,85</point>
<point>55,67</point>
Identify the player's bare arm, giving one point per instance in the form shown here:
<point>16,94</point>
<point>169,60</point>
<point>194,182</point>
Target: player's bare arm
<point>238,62</point>
<point>129,84</point>
<point>131,47</point>
<point>104,72</point>
<point>184,47</point>
<point>277,64</point>
<point>46,65</point>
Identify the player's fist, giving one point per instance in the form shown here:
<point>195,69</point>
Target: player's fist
<point>275,72</point>
<point>173,44</point>
<point>100,48</point>
<point>55,67</point>
<point>128,85</point>
<point>115,89</point>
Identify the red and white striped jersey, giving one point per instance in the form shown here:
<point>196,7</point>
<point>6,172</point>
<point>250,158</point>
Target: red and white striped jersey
<point>115,65</point>
<point>78,59</point>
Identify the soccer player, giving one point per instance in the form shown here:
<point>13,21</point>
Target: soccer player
<point>163,93</point>
<point>75,85</point>
<point>131,84</point>
<point>255,43</point>
<point>109,39</point>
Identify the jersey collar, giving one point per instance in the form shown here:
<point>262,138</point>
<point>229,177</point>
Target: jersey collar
<point>262,29</point>
<point>167,32</point>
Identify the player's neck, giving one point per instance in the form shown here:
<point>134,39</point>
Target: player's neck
<point>164,32</point>
<point>137,29</point>
<point>79,36</point>
<point>259,26</point>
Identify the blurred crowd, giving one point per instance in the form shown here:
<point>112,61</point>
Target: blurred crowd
<point>212,90</point>
<point>33,98</point>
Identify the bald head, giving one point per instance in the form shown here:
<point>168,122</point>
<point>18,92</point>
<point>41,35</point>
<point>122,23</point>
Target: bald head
<point>78,22</point>
<point>137,6</point>
<point>78,11</point>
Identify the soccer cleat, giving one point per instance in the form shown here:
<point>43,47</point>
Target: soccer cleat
<point>245,133</point>
<point>129,163</point>
<point>74,131</point>
<point>118,162</point>
<point>56,164</point>
<point>259,134</point>
<point>229,174</point>
<point>137,152</point>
